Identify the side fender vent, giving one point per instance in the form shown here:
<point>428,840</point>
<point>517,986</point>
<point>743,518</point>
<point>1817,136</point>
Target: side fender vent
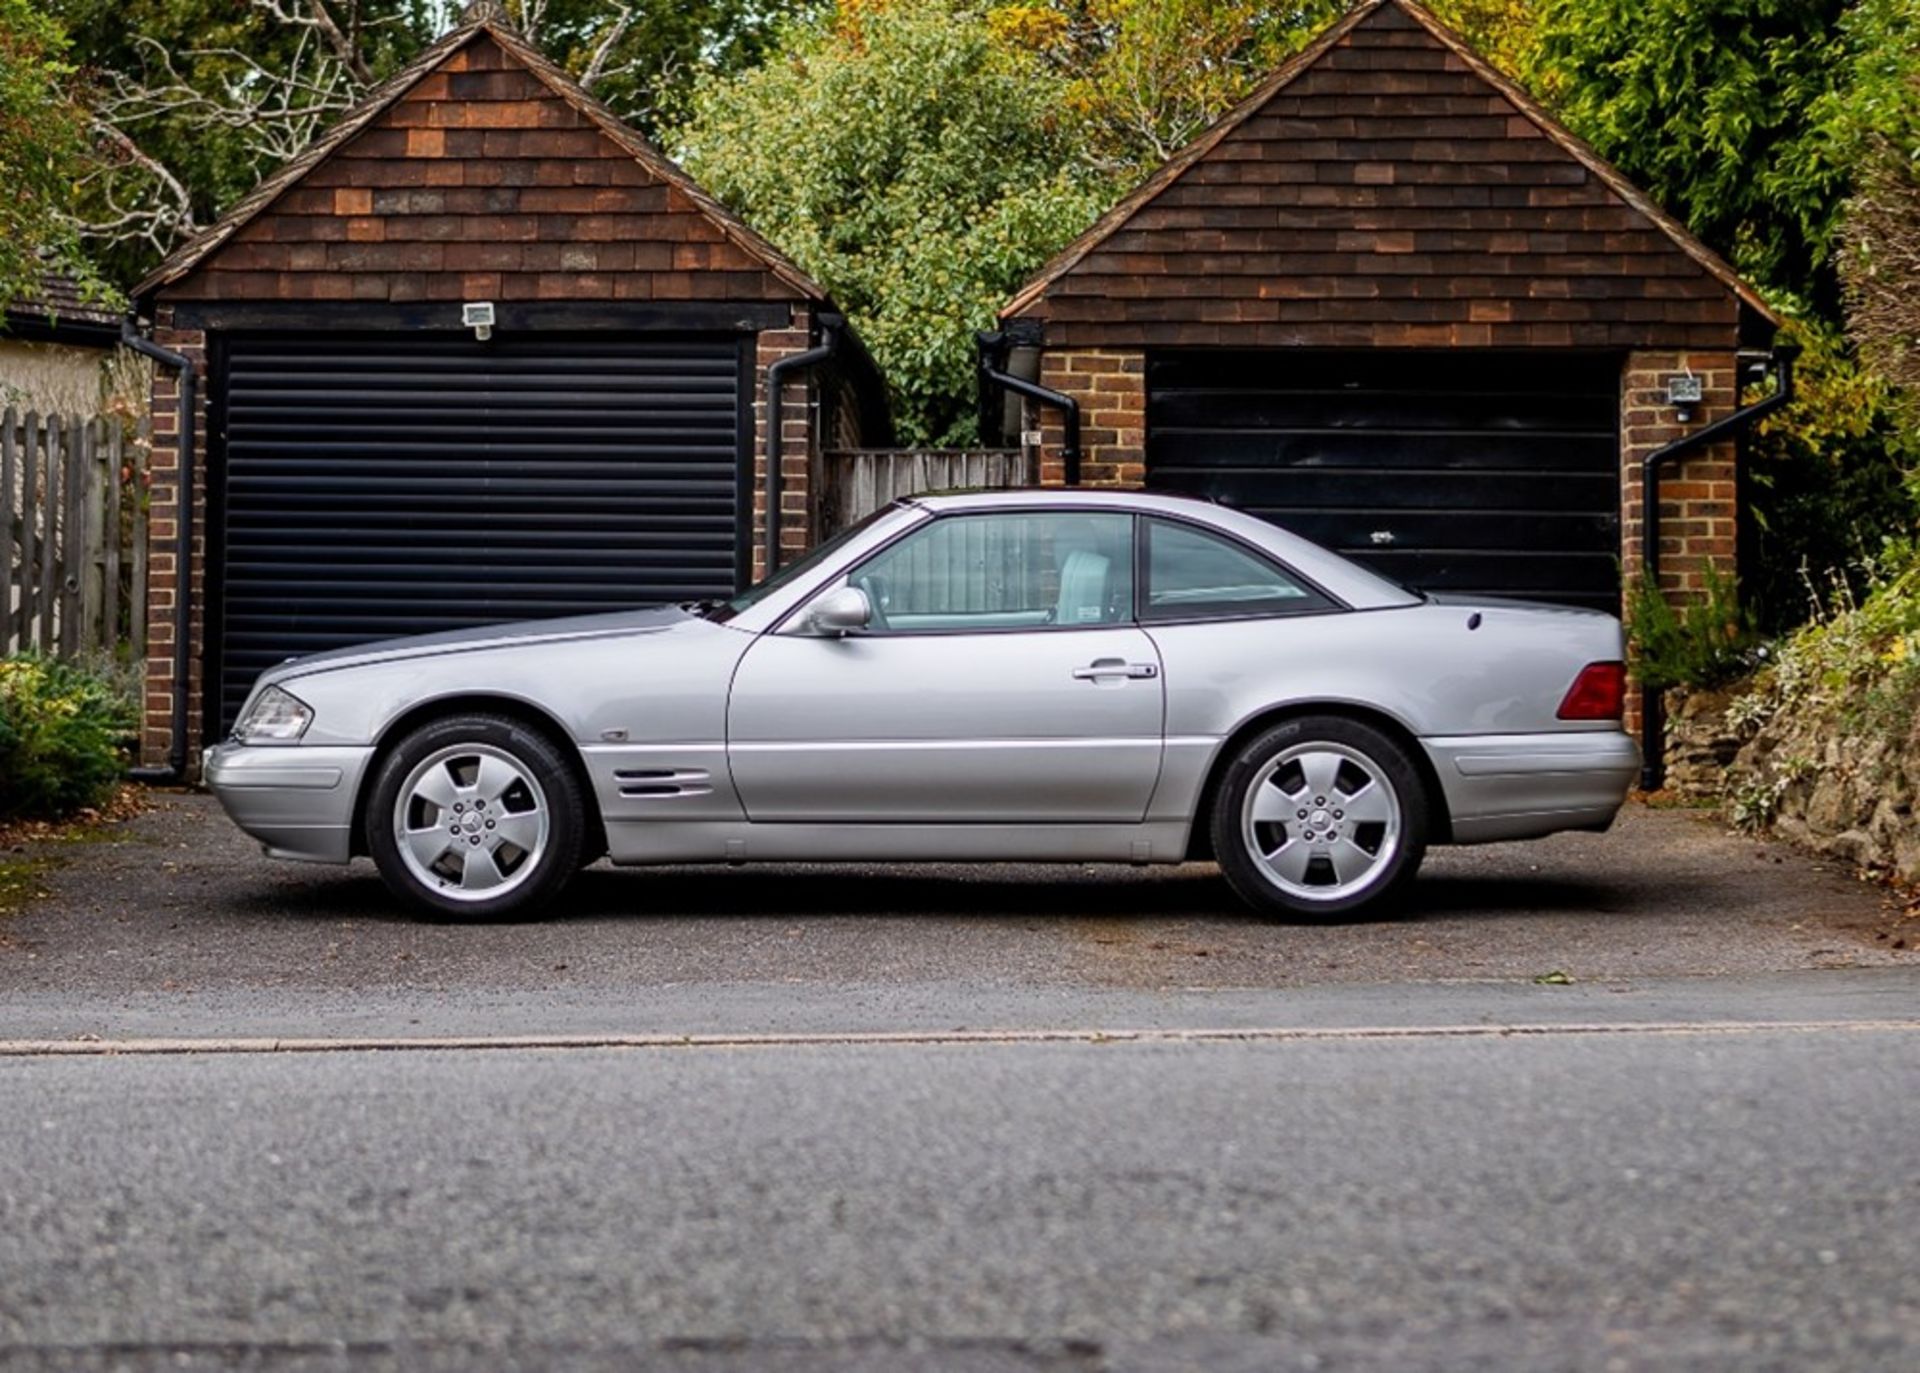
<point>663,783</point>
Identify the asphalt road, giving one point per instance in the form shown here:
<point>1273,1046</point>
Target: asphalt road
<point>971,1119</point>
<point>1610,1201</point>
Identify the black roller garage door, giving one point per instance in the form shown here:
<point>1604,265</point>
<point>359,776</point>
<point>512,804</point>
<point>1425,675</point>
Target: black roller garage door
<point>1449,471</point>
<point>372,486</point>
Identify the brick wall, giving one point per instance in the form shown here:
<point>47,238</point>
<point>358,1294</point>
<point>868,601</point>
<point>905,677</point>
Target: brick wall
<point>799,451</point>
<point>1111,386</point>
<point>163,574</point>
<point>1699,502</point>
<point>1699,507</point>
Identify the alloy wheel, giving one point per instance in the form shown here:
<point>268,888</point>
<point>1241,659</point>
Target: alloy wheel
<point>1321,821</point>
<point>471,822</point>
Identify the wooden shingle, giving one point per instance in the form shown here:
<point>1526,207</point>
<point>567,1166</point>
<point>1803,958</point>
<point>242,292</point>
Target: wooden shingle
<point>480,170</point>
<point>1389,188</point>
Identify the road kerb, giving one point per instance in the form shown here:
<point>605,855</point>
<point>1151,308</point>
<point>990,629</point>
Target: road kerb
<point>100,1047</point>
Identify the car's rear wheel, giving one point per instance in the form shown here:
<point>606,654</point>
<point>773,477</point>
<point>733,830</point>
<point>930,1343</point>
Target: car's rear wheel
<point>1320,817</point>
<point>475,817</point>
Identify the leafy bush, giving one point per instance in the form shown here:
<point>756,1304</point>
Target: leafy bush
<point>1829,477</point>
<point>64,732</point>
<point>1704,643</point>
<point>1858,661</point>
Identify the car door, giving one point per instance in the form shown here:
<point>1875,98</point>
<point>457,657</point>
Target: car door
<point>1000,679</point>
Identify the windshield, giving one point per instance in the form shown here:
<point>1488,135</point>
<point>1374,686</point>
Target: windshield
<point>793,571</point>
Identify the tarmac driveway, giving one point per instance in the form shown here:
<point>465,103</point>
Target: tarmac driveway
<point>179,906</point>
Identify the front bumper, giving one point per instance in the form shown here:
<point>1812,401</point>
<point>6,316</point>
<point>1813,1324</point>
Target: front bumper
<point>297,801</point>
<point>1523,786</point>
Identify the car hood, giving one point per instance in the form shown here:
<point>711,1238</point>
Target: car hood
<point>526,633</point>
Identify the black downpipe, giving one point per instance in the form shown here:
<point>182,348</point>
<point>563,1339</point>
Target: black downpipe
<point>993,348</point>
<point>175,768</point>
<point>831,326</point>
<point>1653,725</point>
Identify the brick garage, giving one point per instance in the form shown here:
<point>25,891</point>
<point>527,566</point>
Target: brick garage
<point>1388,302</point>
<point>366,465</point>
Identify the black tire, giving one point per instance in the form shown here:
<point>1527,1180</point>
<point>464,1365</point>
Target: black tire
<point>1397,843</point>
<point>527,878</point>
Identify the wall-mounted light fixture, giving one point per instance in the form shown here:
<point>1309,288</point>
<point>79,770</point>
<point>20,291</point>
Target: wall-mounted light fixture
<point>477,315</point>
<point>1684,392</point>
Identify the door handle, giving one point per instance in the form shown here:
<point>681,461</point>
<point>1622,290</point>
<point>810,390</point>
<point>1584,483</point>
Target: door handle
<point>1115,667</point>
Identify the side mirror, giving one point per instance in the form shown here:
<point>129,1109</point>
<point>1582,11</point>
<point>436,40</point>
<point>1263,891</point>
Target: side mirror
<point>840,613</point>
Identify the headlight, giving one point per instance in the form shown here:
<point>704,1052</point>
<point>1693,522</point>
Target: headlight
<point>276,717</point>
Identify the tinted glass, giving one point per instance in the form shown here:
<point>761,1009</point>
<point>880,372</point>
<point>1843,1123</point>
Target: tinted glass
<point>1192,573</point>
<point>999,572</point>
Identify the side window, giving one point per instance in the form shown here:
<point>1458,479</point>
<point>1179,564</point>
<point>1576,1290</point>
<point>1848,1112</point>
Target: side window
<point>1028,570</point>
<point>1192,573</point>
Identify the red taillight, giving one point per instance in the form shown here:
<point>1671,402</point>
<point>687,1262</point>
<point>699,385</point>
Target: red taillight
<point>1598,693</point>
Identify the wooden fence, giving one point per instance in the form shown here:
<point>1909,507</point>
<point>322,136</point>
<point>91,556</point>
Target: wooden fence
<point>860,481</point>
<point>73,560</point>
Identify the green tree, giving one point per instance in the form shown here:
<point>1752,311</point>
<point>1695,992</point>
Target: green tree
<point>1149,76</point>
<point>1722,110</point>
<point>919,166</point>
<point>1879,124</point>
<point>1826,475</point>
<point>1502,31</point>
<point>43,150</point>
<point>643,59</point>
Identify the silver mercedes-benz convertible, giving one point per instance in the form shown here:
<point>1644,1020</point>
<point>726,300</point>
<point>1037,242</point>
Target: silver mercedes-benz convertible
<point>1068,676</point>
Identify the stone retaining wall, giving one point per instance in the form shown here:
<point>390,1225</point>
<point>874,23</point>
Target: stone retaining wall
<point>1804,776</point>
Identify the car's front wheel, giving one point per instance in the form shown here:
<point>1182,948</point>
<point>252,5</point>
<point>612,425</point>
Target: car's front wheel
<point>1320,817</point>
<point>475,817</point>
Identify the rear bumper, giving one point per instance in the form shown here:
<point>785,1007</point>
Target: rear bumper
<point>297,801</point>
<point>1522,786</point>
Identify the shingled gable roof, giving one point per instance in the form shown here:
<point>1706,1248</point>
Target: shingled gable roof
<point>1171,171</point>
<point>482,20</point>
<point>61,298</point>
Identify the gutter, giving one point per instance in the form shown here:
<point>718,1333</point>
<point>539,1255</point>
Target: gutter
<point>832,326</point>
<point>53,329</point>
<point>174,771</point>
<point>1653,751</point>
<point>993,351</point>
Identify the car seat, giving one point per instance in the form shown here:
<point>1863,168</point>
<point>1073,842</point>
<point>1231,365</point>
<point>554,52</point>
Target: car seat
<point>1083,589</point>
